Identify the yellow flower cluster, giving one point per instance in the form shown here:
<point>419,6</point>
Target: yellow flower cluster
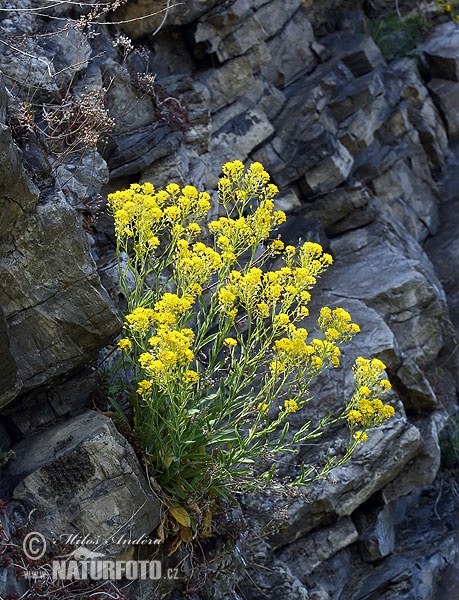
<point>368,410</point>
<point>195,265</point>
<point>139,320</point>
<point>336,324</point>
<point>258,292</point>
<point>143,213</point>
<point>125,344</point>
<point>239,187</point>
<point>294,352</point>
<point>290,406</point>
<point>170,353</point>
<point>235,236</point>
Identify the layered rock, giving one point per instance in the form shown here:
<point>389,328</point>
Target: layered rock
<point>356,147</point>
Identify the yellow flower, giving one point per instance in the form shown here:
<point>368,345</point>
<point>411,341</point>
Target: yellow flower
<point>263,407</point>
<point>385,384</point>
<point>193,229</point>
<point>276,367</point>
<point>226,296</point>
<point>145,359</point>
<point>173,188</point>
<point>360,436</point>
<point>276,246</point>
<point>388,411</point>
<point>282,319</point>
<point>144,387</point>
<point>354,416</point>
<point>230,342</point>
<point>364,390</point>
<point>316,362</point>
<point>378,364</point>
<point>290,406</point>
<point>125,344</point>
<point>190,376</point>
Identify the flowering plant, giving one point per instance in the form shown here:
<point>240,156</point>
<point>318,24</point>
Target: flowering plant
<point>214,341</point>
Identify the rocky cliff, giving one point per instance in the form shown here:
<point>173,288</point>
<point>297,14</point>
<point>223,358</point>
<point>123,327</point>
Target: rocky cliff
<point>362,150</point>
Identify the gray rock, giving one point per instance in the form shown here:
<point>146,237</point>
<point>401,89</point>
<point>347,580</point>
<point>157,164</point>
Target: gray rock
<point>441,52</point>
<point>32,69</point>
<point>8,370</point>
<point>331,172</point>
<point>227,42</point>
<point>398,291</point>
<point>351,95</point>
<point>82,179</point>
<point>342,210</point>
<point>82,477</point>
<point>407,195</point>
<point>42,407</point>
<point>246,131</point>
<point>291,52</point>
<point>228,83</point>
<point>376,532</point>
<point>423,114</point>
<point>68,50</point>
<point>130,108</point>
<point>446,97</point>
<point>303,142</point>
<point>274,15</point>
<point>443,251</point>
<point>362,56</point>
<point>421,471</point>
<point>58,314</point>
<point>130,153</point>
<point>307,553</point>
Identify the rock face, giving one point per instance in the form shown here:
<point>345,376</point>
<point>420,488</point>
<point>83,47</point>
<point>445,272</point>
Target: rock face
<point>55,311</point>
<point>357,147</point>
<point>82,476</point>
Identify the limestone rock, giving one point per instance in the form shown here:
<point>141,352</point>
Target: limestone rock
<point>302,142</point>
<point>232,81</point>
<point>363,57</point>
<point>8,369</point>
<point>423,114</point>
<point>421,471</point>
<point>407,197</point>
<point>443,249</point>
<point>342,210</point>
<point>373,466</point>
<point>130,108</point>
<point>62,401</point>
<point>82,477</point>
<point>228,42</point>
<point>82,180</point>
